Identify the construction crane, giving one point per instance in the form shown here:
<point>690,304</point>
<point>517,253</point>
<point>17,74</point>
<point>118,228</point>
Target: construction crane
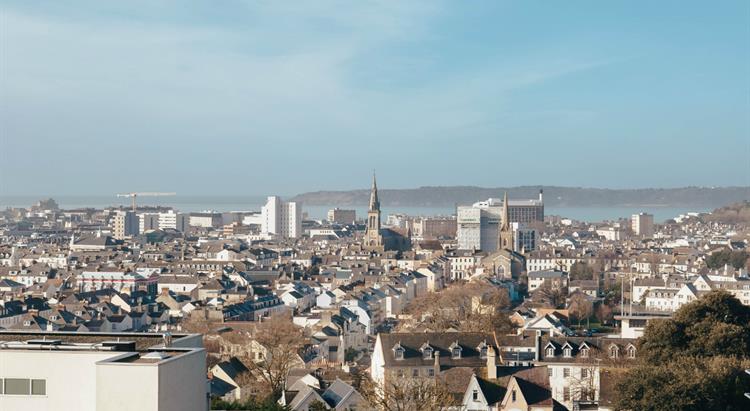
<point>144,194</point>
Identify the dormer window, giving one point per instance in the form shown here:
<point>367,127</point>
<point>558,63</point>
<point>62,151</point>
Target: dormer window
<point>550,351</point>
<point>584,353</point>
<point>455,351</point>
<point>398,351</point>
<point>27,323</point>
<point>482,348</point>
<point>567,352</point>
<point>427,352</point>
<point>631,351</point>
<point>613,351</point>
<point>53,317</point>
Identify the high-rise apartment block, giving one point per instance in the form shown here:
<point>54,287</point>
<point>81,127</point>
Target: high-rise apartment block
<point>124,224</point>
<point>642,224</point>
<point>280,218</point>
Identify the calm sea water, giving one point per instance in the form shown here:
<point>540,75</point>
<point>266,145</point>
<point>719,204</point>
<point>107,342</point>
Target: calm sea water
<point>253,203</point>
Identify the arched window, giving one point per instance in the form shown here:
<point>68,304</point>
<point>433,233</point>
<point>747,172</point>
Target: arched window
<point>631,352</point>
<point>613,351</point>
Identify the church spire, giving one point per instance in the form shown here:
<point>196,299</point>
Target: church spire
<point>505,234</point>
<point>506,218</point>
<point>374,202</point>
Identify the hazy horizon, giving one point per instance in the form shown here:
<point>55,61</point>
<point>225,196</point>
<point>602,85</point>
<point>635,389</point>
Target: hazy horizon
<point>289,195</point>
<point>285,98</point>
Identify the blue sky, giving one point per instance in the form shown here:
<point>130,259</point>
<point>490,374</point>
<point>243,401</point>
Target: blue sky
<point>263,97</point>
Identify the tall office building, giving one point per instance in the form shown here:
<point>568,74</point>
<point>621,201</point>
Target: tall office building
<point>642,224</point>
<point>477,224</point>
<point>174,221</point>
<point>281,218</point>
<point>124,224</point>
<point>148,222</point>
<point>339,216</point>
<point>524,238</point>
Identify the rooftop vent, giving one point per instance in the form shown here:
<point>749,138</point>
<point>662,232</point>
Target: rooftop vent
<point>156,355</point>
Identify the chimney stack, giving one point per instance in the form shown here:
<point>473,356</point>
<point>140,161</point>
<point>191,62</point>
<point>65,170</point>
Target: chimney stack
<point>538,346</point>
<point>491,364</point>
<point>436,366</point>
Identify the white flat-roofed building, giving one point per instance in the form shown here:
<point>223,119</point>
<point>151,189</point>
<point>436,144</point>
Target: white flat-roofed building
<point>282,219</point>
<point>85,371</point>
<point>205,220</point>
<point>174,221</point>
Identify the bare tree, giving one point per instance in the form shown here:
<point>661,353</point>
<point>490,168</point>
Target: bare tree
<point>471,307</point>
<point>580,307</point>
<point>281,343</point>
<point>406,394</point>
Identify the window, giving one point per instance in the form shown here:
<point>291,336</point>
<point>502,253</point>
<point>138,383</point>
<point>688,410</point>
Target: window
<point>513,395</point>
<point>38,387</point>
<point>566,394</point>
<point>415,372</point>
<point>584,352</point>
<point>400,373</point>
<point>584,373</point>
<point>430,372</point>
<point>475,395</point>
<point>567,352</point>
<point>27,323</point>
<point>631,352</point>
<point>483,352</point>
<point>427,353</point>
<point>566,372</point>
<point>613,351</point>
<point>399,353</point>
<point>550,352</point>
<point>17,386</point>
<point>549,371</point>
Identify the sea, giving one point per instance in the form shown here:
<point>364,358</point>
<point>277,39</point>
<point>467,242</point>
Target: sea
<point>186,203</point>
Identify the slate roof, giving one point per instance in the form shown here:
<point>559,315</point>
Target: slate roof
<point>441,343</point>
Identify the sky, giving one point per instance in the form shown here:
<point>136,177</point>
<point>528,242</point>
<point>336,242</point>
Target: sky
<point>277,97</point>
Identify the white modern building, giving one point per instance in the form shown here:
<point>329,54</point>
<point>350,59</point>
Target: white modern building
<point>174,221</point>
<point>642,224</point>
<point>85,371</point>
<point>280,218</point>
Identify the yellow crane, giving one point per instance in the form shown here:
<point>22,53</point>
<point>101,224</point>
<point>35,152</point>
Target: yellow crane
<point>143,194</point>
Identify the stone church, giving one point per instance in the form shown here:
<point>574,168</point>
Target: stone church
<point>382,239</point>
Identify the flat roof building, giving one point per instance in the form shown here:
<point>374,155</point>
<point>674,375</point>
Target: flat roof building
<point>102,371</point>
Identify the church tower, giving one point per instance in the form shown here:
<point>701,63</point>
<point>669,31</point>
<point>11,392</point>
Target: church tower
<point>373,236</point>
<point>505,233</point>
